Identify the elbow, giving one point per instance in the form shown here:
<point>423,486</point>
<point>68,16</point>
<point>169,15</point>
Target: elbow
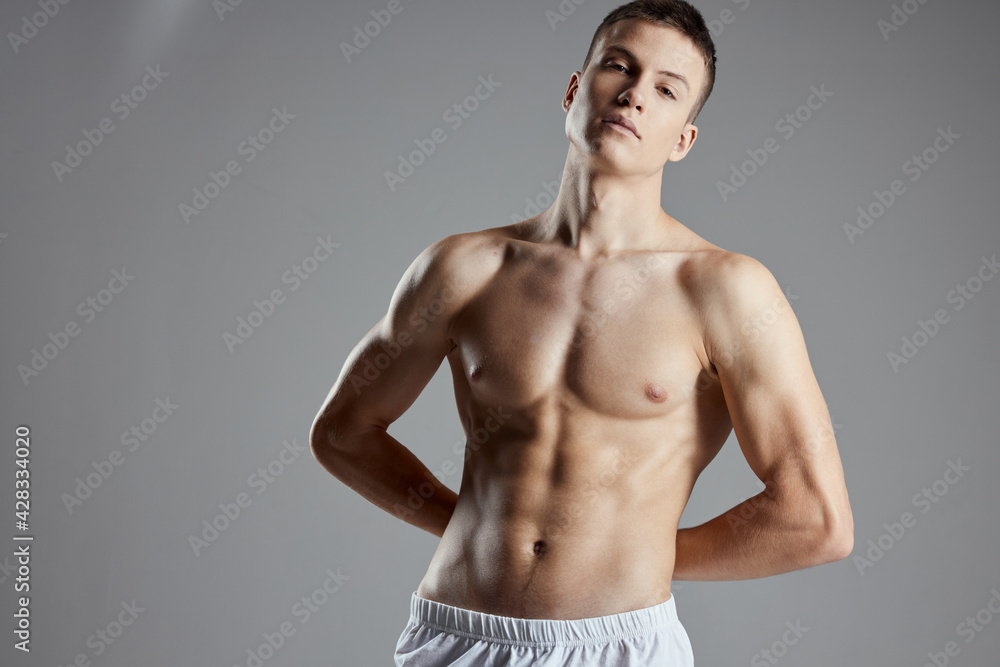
<point>322,436</point>
<point>335,432</point>
<point>837,537</point>
<point>324,446</point>
<point>838,547</point>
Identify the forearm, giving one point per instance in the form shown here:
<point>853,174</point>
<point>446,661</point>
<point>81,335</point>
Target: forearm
<point>761,537</point>
<point>387,474</point>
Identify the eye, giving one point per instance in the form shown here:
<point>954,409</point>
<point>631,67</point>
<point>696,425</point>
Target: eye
<point>667,90</point>
<point>623,68</point>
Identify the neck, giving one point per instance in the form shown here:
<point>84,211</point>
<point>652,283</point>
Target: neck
<point>599,214</point>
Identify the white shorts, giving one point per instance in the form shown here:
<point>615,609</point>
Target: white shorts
<point>438,634</point>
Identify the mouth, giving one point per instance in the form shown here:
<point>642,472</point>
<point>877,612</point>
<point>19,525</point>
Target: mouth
<point>623,123</point>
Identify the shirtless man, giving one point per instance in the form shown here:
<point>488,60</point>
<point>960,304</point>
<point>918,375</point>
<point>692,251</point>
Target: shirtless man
<point>601,354</point>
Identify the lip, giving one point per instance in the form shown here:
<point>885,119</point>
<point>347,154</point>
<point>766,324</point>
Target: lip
<point>618,119</point>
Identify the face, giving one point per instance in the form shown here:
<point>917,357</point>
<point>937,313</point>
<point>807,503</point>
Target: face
<point>648,73</point>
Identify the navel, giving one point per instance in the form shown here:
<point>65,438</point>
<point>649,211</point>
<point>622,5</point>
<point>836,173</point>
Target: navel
<point>655,392</point>
<point>539,547</point>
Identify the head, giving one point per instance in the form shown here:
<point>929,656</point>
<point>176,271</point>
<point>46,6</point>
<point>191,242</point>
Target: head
<point>652,61</point>
<point>675,14</point>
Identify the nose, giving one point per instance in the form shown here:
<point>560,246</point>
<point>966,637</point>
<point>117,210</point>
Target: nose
<point>631,95</point>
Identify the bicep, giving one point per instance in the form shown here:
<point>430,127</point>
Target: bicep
<point>778,412</point>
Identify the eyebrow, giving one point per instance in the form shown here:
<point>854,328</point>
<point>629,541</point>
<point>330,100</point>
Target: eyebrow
<point>631,56</point>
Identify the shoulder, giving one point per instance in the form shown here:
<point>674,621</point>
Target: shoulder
<point>439,282</point>
<point>728,276</point>
<point>736,298</point>
<point>456,250</point>
<point>454,268</point>
<point>707,270</point>
<point>465,258</point>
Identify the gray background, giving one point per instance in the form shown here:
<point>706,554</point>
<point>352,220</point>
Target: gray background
<point>163,335</point>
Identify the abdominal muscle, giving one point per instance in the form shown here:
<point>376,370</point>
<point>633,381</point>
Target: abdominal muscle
<point>609,411</point>
<point>574,526</point>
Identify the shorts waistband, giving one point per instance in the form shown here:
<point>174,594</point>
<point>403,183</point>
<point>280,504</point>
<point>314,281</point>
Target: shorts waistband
<point>542,631</point>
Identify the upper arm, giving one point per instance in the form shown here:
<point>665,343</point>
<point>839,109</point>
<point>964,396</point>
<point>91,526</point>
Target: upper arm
<point>777,409</point>
<point>389,367</point>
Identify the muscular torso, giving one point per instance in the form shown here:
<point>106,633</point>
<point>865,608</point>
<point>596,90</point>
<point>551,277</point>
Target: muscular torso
<point>590,408</point>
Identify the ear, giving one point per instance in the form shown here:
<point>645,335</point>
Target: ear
<point>574,84</point>
<point>684,144</point>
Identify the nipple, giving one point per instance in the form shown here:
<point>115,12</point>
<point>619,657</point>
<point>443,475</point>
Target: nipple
<point>656,393</point>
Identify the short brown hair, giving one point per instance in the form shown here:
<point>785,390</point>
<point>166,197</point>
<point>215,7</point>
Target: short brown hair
<point>675,14</point>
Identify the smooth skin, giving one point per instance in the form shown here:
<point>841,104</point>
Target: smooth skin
<point>601,354</point>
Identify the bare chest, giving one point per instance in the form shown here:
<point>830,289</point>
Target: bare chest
<point>616,338</point>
